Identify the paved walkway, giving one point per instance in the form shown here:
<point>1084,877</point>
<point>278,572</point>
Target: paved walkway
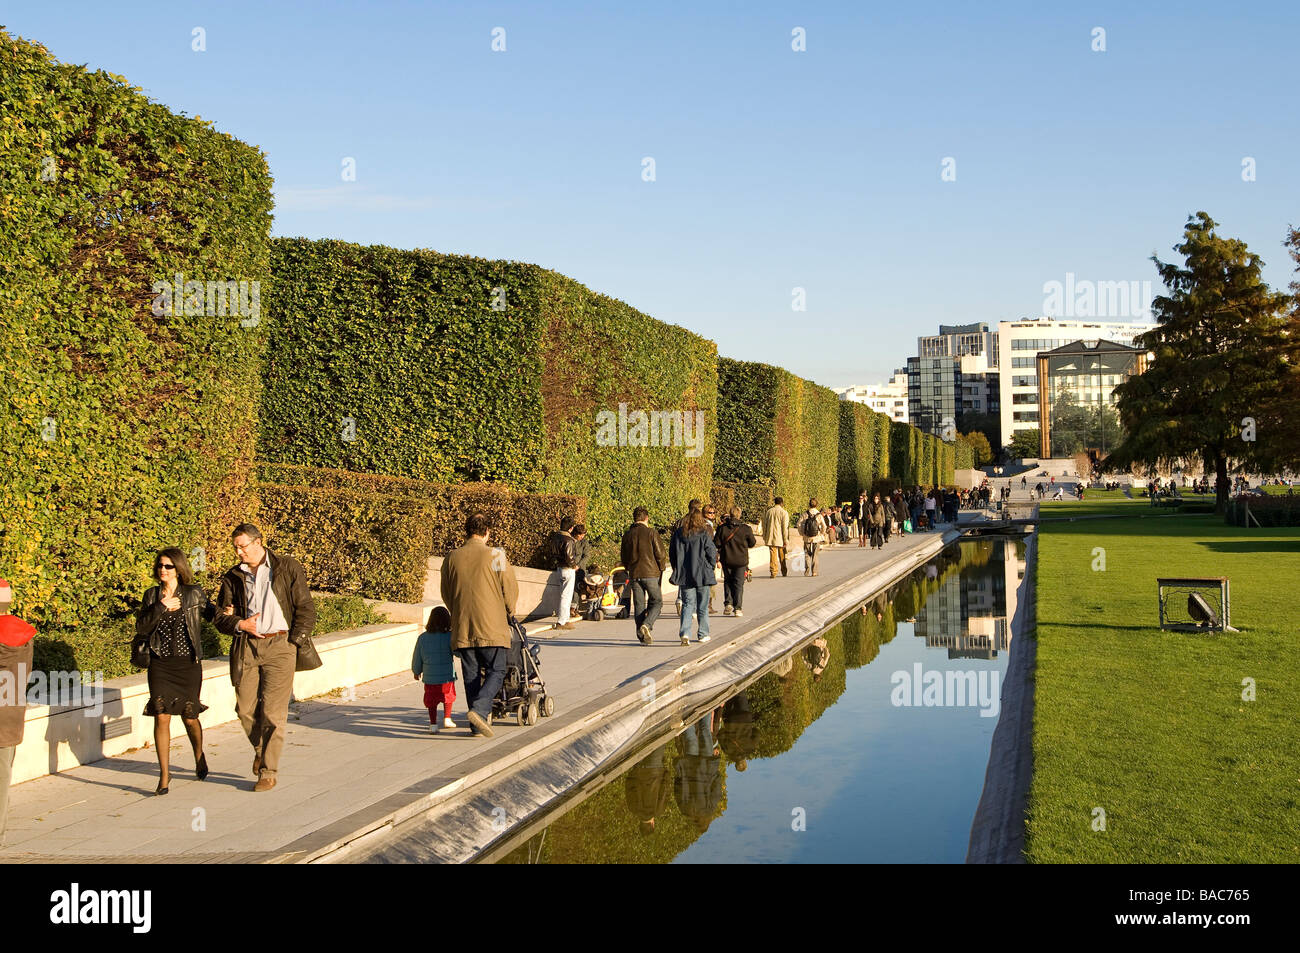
<point>344,754</point>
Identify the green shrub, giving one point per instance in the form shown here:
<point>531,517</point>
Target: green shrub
<point>723,497</point>
<point>521,522</point>
<point>124,431</point>
<point>352,541</point>
<point>754,499</point>
<point>509,394</point>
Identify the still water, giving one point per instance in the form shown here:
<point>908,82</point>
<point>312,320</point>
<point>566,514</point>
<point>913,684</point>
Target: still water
<point>867,744</point>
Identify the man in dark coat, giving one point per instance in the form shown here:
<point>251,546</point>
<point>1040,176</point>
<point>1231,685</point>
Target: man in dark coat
<point>642,555</point>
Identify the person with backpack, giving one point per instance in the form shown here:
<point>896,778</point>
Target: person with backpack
<point>432,662</point>
<point>733,540</point>
<point>813,530</point>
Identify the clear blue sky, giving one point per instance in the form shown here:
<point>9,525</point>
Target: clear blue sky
<point>775,169</point>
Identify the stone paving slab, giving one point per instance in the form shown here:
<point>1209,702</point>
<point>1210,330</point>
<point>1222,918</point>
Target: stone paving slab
<point>345,755</point>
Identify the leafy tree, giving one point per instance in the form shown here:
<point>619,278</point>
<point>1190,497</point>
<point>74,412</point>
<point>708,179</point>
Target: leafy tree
<point>1218,363</point>
<point>990,425</point>
<point>1024,443</point>
<point>980,445</point>
<point>1281,419</point>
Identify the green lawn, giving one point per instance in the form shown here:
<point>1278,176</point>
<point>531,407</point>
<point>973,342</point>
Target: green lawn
<point>1151,726</point>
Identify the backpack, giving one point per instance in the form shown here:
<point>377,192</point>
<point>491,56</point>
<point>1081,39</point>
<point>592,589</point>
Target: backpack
<point>809,526</point>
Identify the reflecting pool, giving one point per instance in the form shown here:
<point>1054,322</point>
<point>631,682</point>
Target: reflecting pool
<point>868,743</point>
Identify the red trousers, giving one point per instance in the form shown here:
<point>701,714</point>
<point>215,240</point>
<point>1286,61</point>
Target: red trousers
<point>435,695</point>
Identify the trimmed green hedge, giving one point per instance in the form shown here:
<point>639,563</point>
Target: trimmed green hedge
<point>857,456</point>
<point>754,499</point>
<point>964,455</point>
<point>352,541</point>
<point>777,429</point>
<point>496,371</point>
<point>884,426</point>
<point>521,522</point>
<point>128,423</point>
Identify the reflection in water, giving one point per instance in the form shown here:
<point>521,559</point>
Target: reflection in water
<point>961,602</point>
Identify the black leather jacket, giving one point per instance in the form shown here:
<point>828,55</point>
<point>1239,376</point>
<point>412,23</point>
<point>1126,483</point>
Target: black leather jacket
<point>195,605</point>
<point>564,550</point>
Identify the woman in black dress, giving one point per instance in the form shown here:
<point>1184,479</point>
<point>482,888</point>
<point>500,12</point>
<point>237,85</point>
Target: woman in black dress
<point>169,622</point>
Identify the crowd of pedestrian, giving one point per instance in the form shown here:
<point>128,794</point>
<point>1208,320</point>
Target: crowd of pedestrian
<point>264,605</point>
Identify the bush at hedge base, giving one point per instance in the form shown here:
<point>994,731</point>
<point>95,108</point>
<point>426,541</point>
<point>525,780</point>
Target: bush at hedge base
<point>454,369</point>
<point>125,430</point>
<point>521,522</point>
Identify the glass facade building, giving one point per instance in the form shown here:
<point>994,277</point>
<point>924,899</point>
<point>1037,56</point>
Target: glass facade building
<point>1076,396</point>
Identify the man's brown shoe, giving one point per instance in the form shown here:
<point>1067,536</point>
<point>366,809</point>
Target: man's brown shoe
<point>567,625</point>
<point>264,783</point>
<point>257,765</point>
<point>479,724</point>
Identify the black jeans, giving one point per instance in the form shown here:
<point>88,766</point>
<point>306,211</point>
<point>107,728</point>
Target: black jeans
<point>733,585</point>
<point>482,687</point>
<point>647,601</point>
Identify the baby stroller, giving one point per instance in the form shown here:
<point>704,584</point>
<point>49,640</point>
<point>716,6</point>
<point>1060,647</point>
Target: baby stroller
<point>611,596</point>
<point>523,691</point>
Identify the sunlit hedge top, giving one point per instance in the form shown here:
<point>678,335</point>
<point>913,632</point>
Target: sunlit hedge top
<point>450,369</point>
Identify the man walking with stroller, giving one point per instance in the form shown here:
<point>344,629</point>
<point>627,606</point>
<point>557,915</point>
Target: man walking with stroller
<point>480,590</point>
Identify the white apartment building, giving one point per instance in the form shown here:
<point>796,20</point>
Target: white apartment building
<point>1018,345</point>
<point>889,399</point>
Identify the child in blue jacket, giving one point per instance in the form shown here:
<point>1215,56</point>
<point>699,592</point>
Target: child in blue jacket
<point>432,661</point>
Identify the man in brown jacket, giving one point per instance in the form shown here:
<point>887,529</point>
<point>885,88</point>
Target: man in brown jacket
<point>642,554</point>
<point>265,604</point>
<point>15,667</point>
<point>480,591</point>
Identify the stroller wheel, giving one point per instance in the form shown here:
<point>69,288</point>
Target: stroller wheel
<point>528,714</point>
<point>521,714</point>
<point>548,706</point>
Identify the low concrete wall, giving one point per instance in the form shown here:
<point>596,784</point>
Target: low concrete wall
<point>59,737</point>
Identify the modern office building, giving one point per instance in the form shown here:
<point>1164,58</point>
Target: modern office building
<point>889,399</point>
<point>1076,395</point>
<point>1019,343</point>
<point>960,340</point>
<point>942,388</point>
<point>955,372</point>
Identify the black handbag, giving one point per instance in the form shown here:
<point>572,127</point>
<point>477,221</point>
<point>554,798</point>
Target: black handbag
<point>308,658</point>
<point>140,653</point>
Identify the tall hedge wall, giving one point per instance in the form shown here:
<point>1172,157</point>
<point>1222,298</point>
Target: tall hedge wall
<point>857,456</point>
<point>777,429</point>
<point>128,424</point>
<point>884,426</point>
<point>496,370</point>
<point>964,455</point>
